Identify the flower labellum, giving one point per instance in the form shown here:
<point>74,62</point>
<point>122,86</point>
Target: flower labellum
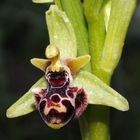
<point>60,101</point>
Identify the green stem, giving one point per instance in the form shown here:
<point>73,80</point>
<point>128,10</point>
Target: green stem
<point>97,119</point>
<point>95,122</point>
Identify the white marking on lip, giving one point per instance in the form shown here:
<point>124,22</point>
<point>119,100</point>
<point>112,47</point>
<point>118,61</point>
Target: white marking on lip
<point>36,90</point>
<point>55,120</point>
<point>58,121</point>
<point>61,109</point>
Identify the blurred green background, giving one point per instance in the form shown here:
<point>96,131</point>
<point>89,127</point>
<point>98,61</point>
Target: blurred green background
<point>23,35</point>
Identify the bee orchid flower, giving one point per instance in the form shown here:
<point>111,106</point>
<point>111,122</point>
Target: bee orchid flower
<point>66,89</point>
<point>60,101</point>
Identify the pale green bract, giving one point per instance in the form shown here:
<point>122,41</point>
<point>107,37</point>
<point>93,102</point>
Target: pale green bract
<point>42,1</point>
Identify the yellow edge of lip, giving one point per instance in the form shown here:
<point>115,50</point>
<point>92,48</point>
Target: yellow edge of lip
<point>55,126</point>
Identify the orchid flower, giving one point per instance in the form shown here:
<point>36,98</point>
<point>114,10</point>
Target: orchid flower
<point>67,90</point>
<point>69,83</point>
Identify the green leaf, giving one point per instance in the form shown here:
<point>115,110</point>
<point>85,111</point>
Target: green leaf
<point>42,1</point>
<point>61,32</point>
<point>120,16</point>
<point>97,14</point>
<point>25,104</point>
<point>100,93</point>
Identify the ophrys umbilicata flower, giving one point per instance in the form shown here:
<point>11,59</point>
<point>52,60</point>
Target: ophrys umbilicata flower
<point>62,61</point>
<point>67,90</point>
<point>60,101</point>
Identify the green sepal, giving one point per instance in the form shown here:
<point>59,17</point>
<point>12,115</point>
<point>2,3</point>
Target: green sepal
<point>26,104</point>
<point>61,32</point>
<point>100,93</point>
<point>42,1</point>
